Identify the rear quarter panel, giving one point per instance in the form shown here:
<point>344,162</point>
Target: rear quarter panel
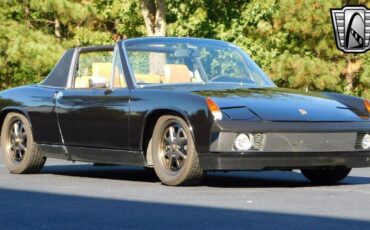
<point>36,103</point>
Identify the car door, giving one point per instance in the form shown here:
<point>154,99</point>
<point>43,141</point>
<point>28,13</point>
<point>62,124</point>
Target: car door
<point>91,112</point>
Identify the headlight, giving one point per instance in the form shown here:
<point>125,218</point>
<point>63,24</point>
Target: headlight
<point>366,142</point>
<point>244,141</point>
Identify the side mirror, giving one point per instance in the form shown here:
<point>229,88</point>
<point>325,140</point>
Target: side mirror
<point>98,82</point>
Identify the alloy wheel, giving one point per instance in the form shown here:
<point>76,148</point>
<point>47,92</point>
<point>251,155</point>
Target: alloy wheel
<point>17,143</point>
<point>174,147</point>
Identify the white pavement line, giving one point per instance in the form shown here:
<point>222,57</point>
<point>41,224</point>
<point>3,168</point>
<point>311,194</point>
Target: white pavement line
<point>341,190</point>
<point>2,165</point>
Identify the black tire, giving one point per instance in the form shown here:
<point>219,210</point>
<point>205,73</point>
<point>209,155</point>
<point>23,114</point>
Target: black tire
<point>167,169</point>
<point>20,153</point>
<point>330,175</point>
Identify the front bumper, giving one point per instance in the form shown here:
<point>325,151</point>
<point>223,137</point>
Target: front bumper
<point>280,160</point>
<point>288,145</point>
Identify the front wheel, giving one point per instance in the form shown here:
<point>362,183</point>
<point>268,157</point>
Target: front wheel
<point>174,155</point>
<point>20,153</point>
<point>330,175</point>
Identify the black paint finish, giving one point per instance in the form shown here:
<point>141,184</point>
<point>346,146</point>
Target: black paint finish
<point>94,118</point>
<point>110,125</point>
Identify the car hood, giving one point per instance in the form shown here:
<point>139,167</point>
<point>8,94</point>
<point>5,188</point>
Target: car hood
<point>276,104</point>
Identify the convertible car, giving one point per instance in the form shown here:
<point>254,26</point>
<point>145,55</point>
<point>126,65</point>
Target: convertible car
<point>183,106</point>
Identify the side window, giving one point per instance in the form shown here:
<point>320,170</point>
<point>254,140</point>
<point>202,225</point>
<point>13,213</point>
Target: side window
<point>219,62</point>
<point>159,67</point>
<point>94,70</point>
<point>119,80</point>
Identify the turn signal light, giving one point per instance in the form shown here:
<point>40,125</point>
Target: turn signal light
<point>367,105</point>
<point>213,107</point>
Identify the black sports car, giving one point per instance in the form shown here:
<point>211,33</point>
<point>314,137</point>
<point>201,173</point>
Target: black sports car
<point>184,106</point>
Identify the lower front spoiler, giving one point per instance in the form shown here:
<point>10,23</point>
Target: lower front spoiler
<point>276,160</point>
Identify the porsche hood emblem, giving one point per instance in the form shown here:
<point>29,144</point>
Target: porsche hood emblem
<point>302,111</point>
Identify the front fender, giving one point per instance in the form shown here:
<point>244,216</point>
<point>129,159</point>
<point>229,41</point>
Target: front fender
<point>356,104</point>
<point>193,108</point>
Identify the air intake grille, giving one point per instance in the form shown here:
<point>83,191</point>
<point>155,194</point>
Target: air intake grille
<point>259,139</point>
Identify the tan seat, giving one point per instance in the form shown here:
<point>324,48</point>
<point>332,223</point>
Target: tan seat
<point>99,69</point>
<point>176,73</point>
<point>148,78</point>
<point>82,82</point>
<point>102,69</point>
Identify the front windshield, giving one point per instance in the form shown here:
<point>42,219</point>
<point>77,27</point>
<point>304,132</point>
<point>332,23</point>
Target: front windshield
<point>175,61</point>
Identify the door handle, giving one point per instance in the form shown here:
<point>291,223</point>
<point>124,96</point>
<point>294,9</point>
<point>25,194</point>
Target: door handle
<point>108,91</point>
<point>57,95</point>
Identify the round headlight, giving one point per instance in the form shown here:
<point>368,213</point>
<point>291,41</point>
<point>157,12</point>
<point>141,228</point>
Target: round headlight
<point>243,141</point>
<point>366,142</point>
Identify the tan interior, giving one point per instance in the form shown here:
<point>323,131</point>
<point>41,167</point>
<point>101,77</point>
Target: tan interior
<point>176,73</point>
<point>148,78</point>
<point>82,82</point>
<point>99,69</point>
<point>102,69</point>
<point>173,73</point>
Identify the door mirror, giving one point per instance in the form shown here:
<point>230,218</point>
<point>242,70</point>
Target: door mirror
<point>98,82</point>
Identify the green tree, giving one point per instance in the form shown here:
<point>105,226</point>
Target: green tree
<point>26,55</point>
<point>293,41</point>
<point>309,56</point>
<point>34,34</point>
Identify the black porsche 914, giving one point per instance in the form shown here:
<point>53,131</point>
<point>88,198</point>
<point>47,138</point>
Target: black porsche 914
<point>183,106</point>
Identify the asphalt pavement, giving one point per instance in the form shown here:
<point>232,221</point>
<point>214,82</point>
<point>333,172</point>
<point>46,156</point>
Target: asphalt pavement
<point>82,196</point>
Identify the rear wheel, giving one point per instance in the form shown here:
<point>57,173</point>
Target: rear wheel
<point>174,156</point>
<point>19,151</point>
<point>330,175</point>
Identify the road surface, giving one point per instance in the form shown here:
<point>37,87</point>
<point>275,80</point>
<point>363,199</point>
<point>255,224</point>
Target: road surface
<point>80,196</point>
